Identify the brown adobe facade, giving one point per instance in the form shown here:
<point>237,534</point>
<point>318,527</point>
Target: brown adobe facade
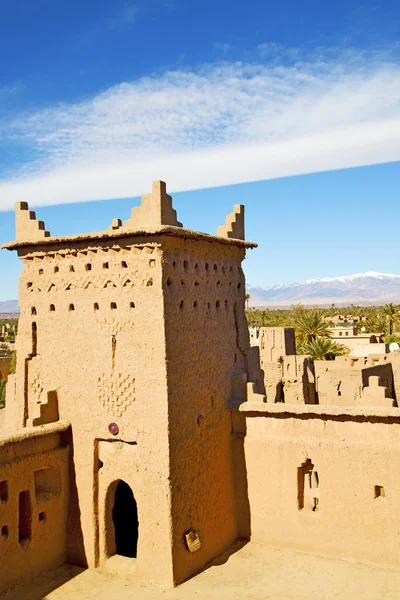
<point>139,422</point>
<point>134,337</point>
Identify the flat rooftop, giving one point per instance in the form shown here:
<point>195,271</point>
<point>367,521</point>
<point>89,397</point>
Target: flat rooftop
<point>254,572</point>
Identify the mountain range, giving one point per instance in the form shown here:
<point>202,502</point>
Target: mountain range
<point>363,288</point>
<point>9,307</point>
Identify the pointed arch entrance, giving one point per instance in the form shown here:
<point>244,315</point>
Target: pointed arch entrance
<point>125,520</point>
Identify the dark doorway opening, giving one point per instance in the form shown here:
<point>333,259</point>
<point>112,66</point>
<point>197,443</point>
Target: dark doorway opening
<point>125,520</point>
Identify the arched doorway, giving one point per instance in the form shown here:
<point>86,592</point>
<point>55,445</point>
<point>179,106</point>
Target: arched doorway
<point>125,519</point>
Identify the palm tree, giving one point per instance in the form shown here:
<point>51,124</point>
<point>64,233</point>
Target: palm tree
<point>390,313</point>
<point>310,326</point>
<point>322,348</point>
<point>247,298</point>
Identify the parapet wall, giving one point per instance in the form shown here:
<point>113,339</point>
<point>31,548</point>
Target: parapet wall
<point>324,479</point>
<point>34,492</point>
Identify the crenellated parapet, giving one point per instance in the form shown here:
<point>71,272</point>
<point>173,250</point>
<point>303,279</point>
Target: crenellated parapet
<point>27,226</point>
<point>155,210</point>
<point>234,225</point>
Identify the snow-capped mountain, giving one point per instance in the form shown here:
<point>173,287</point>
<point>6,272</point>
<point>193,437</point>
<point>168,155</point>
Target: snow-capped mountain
<point>9,306</point>
<point>361,288</point>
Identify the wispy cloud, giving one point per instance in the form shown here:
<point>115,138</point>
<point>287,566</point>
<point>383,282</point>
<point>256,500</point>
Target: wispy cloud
<point>126,17</point>
<point>216,125</point>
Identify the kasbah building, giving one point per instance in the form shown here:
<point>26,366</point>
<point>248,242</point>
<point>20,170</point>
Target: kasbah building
<point>142,428</point>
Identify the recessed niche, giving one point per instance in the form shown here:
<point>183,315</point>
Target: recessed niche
<point>152,263</point>
<point>113,305</point>
<point>42,517</point>
<point>105,265</point>
<point>307,487</point>
<point>124,264</point>
<point>95,306</point>
<point>33,310</point>
<point>24,517</point>
<point>71,268</point>
<point>4,532</point>
<point>132,304</point>
<point>56,269</point>
<point>47,483</point>
<point>88,267</point>
<point>71,307</point>
<point>52,308</point>
<point>379,491</point>
<point>3,491</point>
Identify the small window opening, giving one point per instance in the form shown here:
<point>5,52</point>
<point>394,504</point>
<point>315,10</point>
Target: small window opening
<point>124,265</point>
<point>56,269</point>
<point>169,282</point>
<point>152,263</point>
<point>206,266</point>
<point>29,284</point>
<point>105,265</point>
<point>52,308</point>
<point>239,285</point>
<point>113,305</point>
<point>174,263</point>
<point>196,267</point>
<point>3,491</point>
<point>96,306</point>
<point>88,267</point>
<point>71,268</point>
<point>379,491</point>
<point>42,517</point>
<point>4,531</point>
<point>71,307</point>
<point>185,265</point>
<point>217,304</point>
<point>196,283</point>
<point>33,310</point>
<point>149,283</point>
<point>218,284</point>
<point>226,304</point>
<point>41,271</point>
<point>215,267</point>
<point>132,305</point>
<point>181,305</point>
<point>195,305</point>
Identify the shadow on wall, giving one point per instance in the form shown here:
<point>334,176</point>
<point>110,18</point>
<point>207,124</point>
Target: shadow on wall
<point>240,476</point>
<point>75,547</point>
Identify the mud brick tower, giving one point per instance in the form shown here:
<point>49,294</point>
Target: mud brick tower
<point>135,338</point>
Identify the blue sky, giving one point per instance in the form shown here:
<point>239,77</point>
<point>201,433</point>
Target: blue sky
<point>292,108</point>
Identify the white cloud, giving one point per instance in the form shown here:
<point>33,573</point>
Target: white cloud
<point>221,124</point>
